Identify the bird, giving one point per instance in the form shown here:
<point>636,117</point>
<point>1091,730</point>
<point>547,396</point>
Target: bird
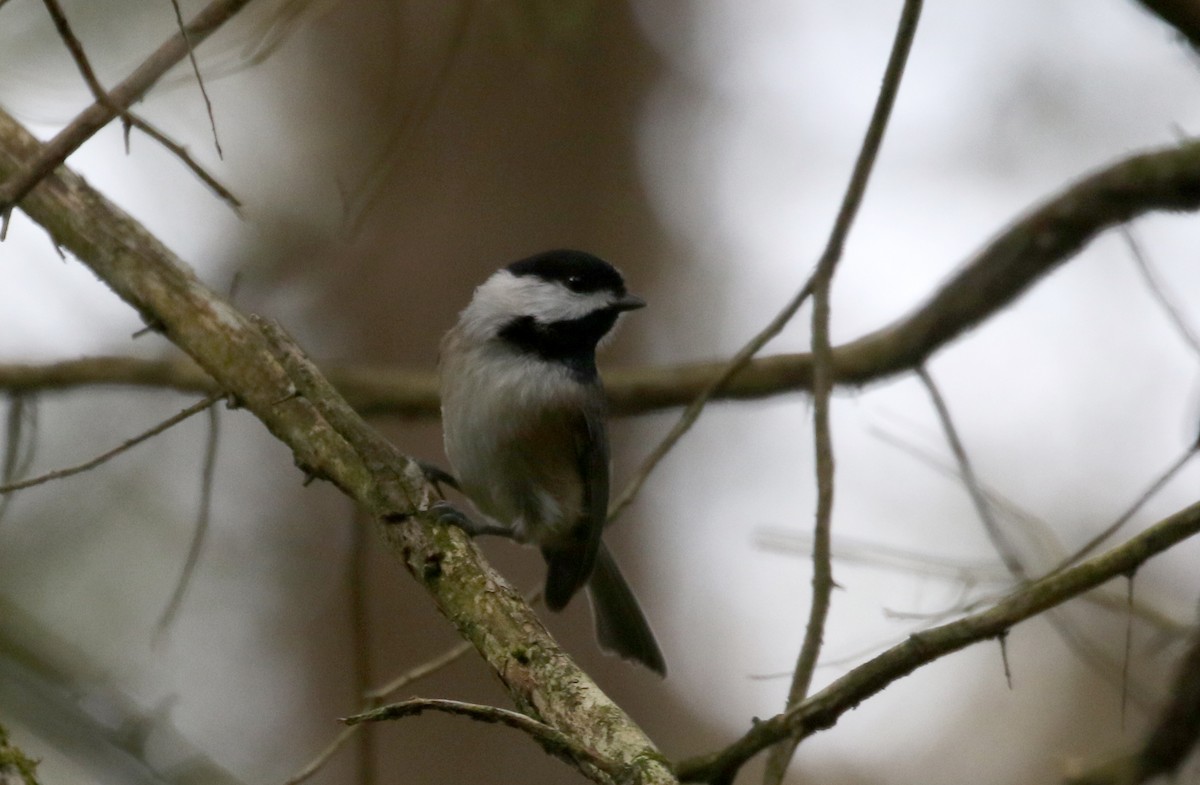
<point>523,420</point>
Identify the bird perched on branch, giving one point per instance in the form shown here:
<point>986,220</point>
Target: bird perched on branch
<point>523,417</point>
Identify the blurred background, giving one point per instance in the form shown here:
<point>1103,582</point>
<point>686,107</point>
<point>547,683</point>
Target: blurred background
<point>389,156</point>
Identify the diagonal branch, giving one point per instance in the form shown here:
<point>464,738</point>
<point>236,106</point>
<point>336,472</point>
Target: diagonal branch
<point>1174,313</point>
<point>42,160</point>
<point>823,709</point>
<point>92,463</point>
<point>983,508</point>
<point>191,53</point>
<point>75,47</point>
<point>271,378</point>
<point>1036,244</point>
<point>822,351</point>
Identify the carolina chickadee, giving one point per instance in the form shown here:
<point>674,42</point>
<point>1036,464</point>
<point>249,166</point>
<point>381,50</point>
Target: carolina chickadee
<point>523,422</point>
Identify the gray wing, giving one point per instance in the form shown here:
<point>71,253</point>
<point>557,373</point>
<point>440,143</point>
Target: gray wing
<point>571,560</point>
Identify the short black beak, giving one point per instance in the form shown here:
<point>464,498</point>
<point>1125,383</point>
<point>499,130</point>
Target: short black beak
<point>629,302</point>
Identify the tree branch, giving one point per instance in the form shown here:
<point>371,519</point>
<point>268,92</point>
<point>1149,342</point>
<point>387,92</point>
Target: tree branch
<point>552,741</point>
<point>823,709</point>
<point>88,465</point>
<point>1036,244</point>
<point>822,350</point>
<point>75,48</point>
<point>42,160</point>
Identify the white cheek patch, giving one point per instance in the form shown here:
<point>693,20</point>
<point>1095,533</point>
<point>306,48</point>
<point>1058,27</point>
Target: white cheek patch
<point>504,295</point>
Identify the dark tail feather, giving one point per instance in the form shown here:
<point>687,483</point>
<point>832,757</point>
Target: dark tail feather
<point>566,572</point>
<point>621,627</point>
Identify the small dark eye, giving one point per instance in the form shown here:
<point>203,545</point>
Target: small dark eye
<point>575,283</point>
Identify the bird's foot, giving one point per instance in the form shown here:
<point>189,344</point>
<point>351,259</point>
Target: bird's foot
<point>448,515</point>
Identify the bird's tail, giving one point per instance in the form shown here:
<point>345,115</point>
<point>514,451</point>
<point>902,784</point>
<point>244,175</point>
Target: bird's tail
<point>621,627</point>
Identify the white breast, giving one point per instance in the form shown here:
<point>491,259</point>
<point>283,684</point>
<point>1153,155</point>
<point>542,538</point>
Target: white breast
<point>508,422</point>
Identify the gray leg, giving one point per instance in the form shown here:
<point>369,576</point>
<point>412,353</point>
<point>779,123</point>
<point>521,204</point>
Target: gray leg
<point>438,476</point>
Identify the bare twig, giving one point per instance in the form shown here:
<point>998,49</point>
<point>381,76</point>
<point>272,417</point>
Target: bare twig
<point>1076,640</point>
<point>19,183</point>
<point>1034,527</point>
<point>323,757</point>
<point>1000,540</point>
<point>1177,731</point>
<point>823,709</point>
<point>75,47</point>
<point>129,118</point>
<point>687,419</point>
<point>1159,292</point>
<point>551,740</point>
<point>822,580</point>
<point>374,697</point>
<point>358,203</point>
<point>20,443</point>
<point>191,53</point>
<point>1132,510</point>
<point>447,657</point>
<point>1033,246</point>
<point>59,474</point>
<point>1031,527</point>
<point>851,550</point>
<point>1171,741</point>
<point>360,637</point>
<point>200,531</point>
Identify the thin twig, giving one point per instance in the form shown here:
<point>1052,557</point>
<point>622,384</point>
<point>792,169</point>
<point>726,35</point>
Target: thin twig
<point>550,739</point>
<point>1159,292</point>
<point>21,420</point>
<point>324,756</point>
<point>851,550</point>
<point>360,636</point>
<point>203,518</point>
<point>822,349</point>
<point>357,204</point>
<point>191,53</point>
<point>1075,639</point>
<point>1128,653</point>
<point>75,47</point>
<point>985,500</point>
<point>59,474</point>
<point>1031,526</point>
<point>689,416</point>
<point>451,655</point>
<point>52,154</point>
<point>995,532</point>
<point>1132,510</point>
<point>376,696</point>
<point>1034,527</point>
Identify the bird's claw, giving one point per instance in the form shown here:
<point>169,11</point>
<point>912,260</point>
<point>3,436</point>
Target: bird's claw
<point>448,515</point>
